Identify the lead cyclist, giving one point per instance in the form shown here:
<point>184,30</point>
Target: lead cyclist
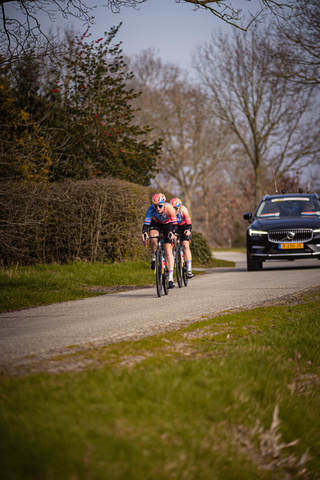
<point>161,218</point>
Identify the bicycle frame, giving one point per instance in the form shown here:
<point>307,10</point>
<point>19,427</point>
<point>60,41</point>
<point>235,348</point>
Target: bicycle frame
<point>161,271</point>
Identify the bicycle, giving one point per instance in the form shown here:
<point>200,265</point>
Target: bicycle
<point>181,266</point>
<point>161,270</point>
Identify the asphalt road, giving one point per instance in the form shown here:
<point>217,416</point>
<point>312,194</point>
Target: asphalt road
<point>136,313</point>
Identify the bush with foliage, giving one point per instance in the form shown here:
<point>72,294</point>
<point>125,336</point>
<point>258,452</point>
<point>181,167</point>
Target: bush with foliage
<point>201,253</point>
<point>93,111</point>
<point>25,150</point>
<point>74,120</point>
<point>89,220</point>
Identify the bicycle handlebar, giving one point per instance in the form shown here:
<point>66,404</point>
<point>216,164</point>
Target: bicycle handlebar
<point>160,236</point>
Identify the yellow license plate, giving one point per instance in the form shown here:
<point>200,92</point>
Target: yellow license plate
<point>290,245</point>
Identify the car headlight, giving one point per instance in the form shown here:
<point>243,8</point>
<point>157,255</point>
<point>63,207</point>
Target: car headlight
<point>257,232</point>
<point>316,231</point>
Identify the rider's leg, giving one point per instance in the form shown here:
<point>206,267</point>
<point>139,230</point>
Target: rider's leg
<point>174,248</point>
<point>169,260</point>
<point>153,241</point>
<point>187,251</point>
<point>169,256</point>
<point>187,256</point>
<point>153,246</point>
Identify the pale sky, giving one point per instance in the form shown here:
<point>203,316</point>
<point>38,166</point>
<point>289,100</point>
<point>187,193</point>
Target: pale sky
<point>172,29</point>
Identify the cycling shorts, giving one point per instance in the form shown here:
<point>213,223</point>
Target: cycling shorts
<point>182,229</point>
<point>164,228</point>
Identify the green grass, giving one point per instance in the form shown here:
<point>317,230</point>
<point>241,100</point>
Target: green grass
<point>42,284</point>
<point>236,249</point>
<point>195,403</point>
<point>22,287</point>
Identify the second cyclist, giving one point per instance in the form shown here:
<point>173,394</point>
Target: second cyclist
<point>185,227</point>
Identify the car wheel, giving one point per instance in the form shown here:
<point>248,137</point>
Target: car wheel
<point>253,266</point>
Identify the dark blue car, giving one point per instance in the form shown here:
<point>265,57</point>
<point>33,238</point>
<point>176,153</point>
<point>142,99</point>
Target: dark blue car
<point>283,227</point>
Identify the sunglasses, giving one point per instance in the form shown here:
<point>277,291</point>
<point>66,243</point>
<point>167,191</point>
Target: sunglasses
<point>159,207</point>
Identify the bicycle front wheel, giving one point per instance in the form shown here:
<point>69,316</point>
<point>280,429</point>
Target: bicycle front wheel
<point>159,272</point>
<point>165,281</point>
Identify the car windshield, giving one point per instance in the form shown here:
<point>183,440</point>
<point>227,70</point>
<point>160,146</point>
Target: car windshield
<point>297,207</point>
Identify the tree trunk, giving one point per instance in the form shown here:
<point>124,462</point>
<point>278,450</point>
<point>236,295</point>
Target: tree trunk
<point>258,192</point>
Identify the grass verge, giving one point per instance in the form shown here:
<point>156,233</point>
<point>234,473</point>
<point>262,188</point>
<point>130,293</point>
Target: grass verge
<point>232,397</point>
<point>22,287</point>
<point>236,249</point>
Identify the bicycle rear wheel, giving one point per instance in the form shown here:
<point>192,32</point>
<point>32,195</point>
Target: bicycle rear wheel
<point>159,271</point>
<point>178,265</point>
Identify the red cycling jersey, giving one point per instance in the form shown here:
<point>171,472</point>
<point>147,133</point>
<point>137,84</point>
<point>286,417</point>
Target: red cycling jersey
<point>183,216</point>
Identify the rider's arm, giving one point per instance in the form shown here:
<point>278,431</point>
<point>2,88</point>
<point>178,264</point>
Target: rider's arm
<point>145,228</point>
<point>187,218</point>
<point>148,219</point>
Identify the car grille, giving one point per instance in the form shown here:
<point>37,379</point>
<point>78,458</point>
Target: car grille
<point>288,236</point>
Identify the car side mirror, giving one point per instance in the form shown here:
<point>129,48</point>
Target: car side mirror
<point>248,216</point>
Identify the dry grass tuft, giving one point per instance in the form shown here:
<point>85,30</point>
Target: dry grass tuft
<point>271,453</point>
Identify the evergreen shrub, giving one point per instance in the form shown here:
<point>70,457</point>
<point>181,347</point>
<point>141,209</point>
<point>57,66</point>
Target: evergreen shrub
<point>201,253</point>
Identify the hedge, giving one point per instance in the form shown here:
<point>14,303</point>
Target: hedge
<point>96,220</point>
<point>201,253</point>
<point>92,220</point>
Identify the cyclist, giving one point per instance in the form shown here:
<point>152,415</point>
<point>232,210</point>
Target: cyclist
<point>185,227</point>
<point>161,218</point>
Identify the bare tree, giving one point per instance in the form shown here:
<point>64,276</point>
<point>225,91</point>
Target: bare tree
<point>20,23</point>
<point>276,128</point>
<point>298,44</point>
<point>229,13</point>
<point>194,141</point>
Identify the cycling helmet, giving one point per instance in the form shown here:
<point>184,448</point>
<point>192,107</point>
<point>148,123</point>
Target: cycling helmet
<point>176,203</point>
<point>158,199</point>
